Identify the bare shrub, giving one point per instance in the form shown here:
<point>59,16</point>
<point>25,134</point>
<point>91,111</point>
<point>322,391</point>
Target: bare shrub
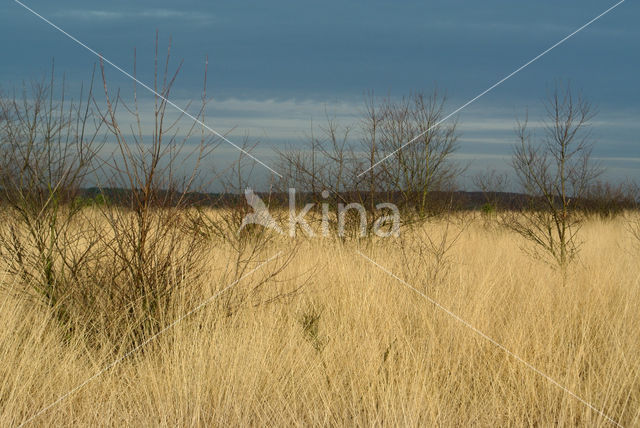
<point>48,145</point>
<point>248,244</point>
<point>633,215</point>
<point>607,200</point>
<point>493,186</point>
<point>427,249</point>
<point>151,243</point>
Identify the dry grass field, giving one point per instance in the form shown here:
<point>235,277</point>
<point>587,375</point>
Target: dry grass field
<point>345,344</point>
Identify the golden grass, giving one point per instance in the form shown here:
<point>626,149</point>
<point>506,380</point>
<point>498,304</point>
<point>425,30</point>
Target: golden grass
<point>356,347</point>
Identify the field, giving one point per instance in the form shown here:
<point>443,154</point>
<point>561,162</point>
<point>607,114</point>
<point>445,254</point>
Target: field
<point>334,340</point>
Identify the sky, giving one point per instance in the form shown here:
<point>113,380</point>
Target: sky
<point>274,67</point>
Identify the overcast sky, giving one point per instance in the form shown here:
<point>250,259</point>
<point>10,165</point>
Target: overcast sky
<point>273,66</point>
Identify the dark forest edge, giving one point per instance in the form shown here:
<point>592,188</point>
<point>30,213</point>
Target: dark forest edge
<point>604,200</point>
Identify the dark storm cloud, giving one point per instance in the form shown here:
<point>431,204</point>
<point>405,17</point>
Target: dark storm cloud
<point>334,51</point>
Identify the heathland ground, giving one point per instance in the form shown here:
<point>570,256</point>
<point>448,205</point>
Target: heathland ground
<point>334,340</point>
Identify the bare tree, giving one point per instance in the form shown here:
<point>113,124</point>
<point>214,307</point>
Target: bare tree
<point>332,162</point>
<point>424,166</point>
<point>326,164</point>
<point>329,164</point>
<point>555,173</point>
<point>371,124</point>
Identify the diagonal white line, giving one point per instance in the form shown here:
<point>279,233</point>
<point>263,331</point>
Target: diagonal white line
<point>494,342</point>
<point>146,342</point>
<point>171,103</point>
<point>490,88</point>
